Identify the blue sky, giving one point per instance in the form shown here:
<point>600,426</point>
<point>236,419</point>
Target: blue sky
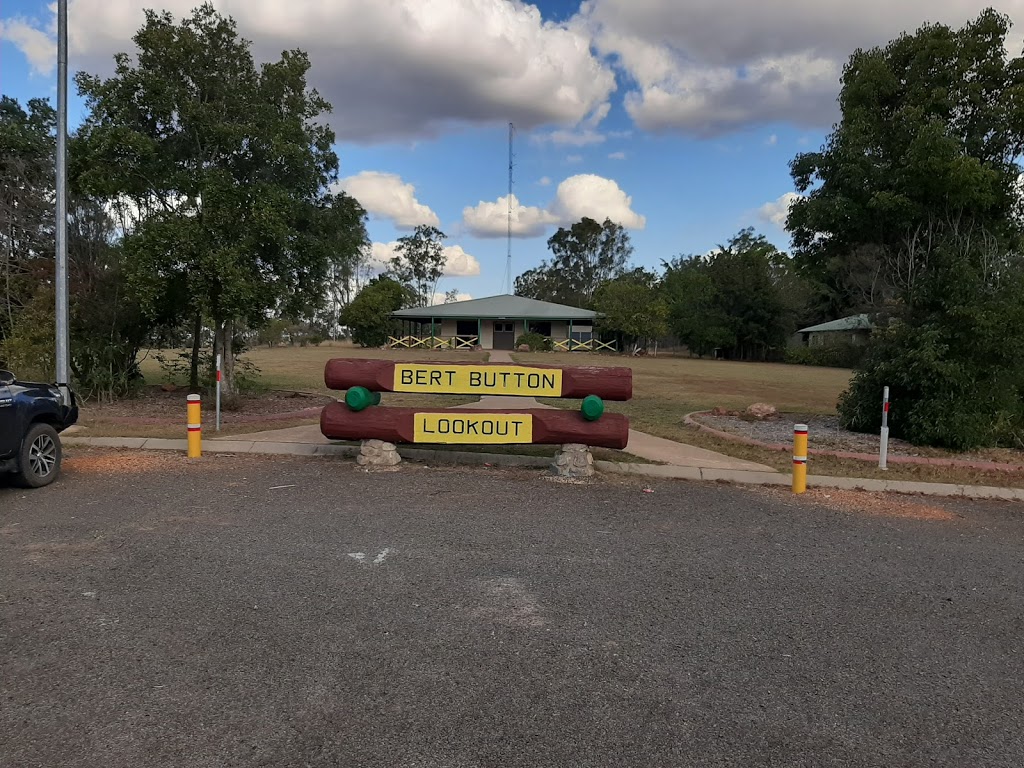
<point>677,118</point>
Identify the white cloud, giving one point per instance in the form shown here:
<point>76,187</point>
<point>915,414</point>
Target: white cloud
<point>576,197</point>
<point>458,263</point>
<point>439,297</point>
<point>772,140</point>
<point>571,138</point>
<point>581,136</point>
<point>36,45</point>
<point>391,68</point>
<point>617,156</point>
<point>544,181</point>
<point>574,159</point>
<point>695,70</point>
<point>777,210</point>
<point>387,196</point>
<point>381,255</point>
<point>491,219</point>
<point>596,197</point>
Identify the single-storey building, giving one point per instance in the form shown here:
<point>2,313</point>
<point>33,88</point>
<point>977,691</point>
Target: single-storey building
<point>855,329</point>
<point>495,323</point>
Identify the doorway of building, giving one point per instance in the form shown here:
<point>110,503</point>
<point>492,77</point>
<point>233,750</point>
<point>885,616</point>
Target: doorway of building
<point>468,332</point>
<point>504,334</point>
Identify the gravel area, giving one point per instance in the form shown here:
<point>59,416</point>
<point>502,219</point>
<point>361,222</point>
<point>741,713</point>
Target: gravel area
<point>255,611</point>
<point>824,433</point>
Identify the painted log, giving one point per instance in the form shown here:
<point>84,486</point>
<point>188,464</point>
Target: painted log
<point>440,378</point>
<point>469,427</point>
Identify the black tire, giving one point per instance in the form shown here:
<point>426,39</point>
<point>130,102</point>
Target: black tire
<point>39,457</point>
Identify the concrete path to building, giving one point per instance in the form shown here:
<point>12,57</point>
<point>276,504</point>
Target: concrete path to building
<point>640,444</point>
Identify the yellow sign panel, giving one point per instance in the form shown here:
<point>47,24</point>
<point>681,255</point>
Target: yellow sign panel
<point>506,428</point>
<point>478,380</point>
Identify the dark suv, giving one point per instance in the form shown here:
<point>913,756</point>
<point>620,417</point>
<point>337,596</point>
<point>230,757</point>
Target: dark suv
<point>31,417</point>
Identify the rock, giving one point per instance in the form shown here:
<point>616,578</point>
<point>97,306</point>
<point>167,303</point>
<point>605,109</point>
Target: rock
<point>762,411</point>
<point>377,453</point>
<point>719,411</point>
<point>573,460</point>
<point>168,387</point>
<point>523,348</point>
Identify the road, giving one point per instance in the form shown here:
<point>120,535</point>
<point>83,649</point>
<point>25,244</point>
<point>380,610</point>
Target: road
<point>258,611</point>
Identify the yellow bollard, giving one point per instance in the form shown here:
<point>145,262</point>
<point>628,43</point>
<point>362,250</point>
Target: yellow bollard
<point>799,458</point>
<point>195,427</point>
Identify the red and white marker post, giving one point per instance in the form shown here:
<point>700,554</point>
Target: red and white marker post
<point>883,448</point>
<point>218,392</point>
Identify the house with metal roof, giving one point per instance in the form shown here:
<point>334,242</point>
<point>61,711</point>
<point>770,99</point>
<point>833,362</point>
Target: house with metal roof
<point>855,329</point>
<point>495,323</point>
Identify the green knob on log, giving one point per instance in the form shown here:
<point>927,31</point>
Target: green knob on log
<point>358,398</point>
<point>376,398</point>
<point>592,407</point>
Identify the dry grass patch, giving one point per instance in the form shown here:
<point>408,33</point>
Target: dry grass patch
<point>302,368</point>
<point>691,384</point>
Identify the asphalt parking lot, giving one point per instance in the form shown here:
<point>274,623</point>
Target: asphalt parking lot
<point>264,611</point>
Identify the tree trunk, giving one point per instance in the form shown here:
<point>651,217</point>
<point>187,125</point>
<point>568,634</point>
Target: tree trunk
<point>223,346</point>
<point>197,338</point>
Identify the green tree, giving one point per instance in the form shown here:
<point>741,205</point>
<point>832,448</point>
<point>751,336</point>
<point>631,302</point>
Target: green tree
<point>106,326</point>
<point>226,167</point>
<point>368,316</point>
<point>583,257</point>
<point>931,128</point>
<point>633,307</point>
<point>27,151</point>
<point>419,262</point>
<point>695,309</point>
<point>921,173</point>
<point>541,283</point>
<point>733,298</point>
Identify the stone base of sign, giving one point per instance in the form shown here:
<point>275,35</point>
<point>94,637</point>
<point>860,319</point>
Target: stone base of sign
<point>573,460</point>
<point>377,453</point>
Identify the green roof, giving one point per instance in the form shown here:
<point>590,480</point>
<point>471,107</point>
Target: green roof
<point>851,323</point>
<point>503,307</point>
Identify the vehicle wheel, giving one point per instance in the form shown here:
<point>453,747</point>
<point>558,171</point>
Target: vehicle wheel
<point>39,459</point>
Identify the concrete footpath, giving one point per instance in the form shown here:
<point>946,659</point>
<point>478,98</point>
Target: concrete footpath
<point>295,447</point>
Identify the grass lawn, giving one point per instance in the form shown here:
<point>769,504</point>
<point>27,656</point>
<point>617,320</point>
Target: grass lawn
<point>665,389</point>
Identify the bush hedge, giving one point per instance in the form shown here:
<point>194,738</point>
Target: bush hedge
<point>535,342</point>
<point>831,356</point>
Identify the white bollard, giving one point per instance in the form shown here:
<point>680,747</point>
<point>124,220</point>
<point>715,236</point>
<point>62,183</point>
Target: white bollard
<point>883,448</point>
<point>218,392</point>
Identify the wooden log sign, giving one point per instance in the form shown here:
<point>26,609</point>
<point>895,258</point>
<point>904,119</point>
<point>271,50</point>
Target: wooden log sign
<point>453,426</point>
<point>480,379</point>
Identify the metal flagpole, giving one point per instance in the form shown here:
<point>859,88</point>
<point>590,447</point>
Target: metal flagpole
<point>61,276</point>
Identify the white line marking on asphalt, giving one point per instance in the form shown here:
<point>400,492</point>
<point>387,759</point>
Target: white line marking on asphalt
<point>360,556</point>
<point>380,558</point>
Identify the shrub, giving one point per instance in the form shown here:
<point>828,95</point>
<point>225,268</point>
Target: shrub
<point>830,356</point>
<point>941,396</point>
<point>535,342</point>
